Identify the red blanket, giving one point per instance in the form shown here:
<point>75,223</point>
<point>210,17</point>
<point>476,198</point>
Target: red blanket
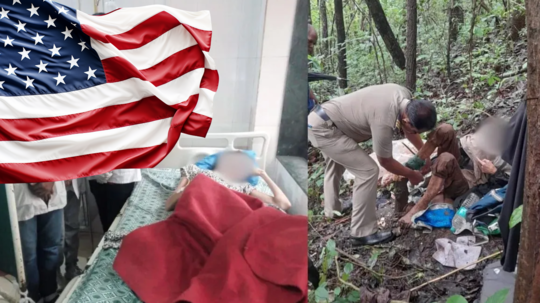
<point>218,246</point>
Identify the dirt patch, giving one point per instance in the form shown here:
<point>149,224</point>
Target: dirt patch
<point>393,269</point>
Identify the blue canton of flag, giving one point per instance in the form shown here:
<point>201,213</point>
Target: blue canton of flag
<point>43,50</point>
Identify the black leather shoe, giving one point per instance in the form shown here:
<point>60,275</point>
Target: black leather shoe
<point>373,239</point>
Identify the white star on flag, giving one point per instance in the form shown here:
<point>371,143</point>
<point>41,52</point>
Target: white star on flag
<point>62,10</point>
<point>20,26</point>
<point>50,22</point>
<point>24,54</point>
<point>33,10</point>
<point>2,84</point>
<point>90,73</point>
<point>83,45</point>
<point>55,50</point>
<point>59,79</point>
<point>10,70</point>
<point>67,33</point>
<point>37,39</point>
<point>8,41</point>
<point>42,66</point>
<point>4,14</point>
<point>28,82</point>
<point>73,62</point>
<point>16,1</point>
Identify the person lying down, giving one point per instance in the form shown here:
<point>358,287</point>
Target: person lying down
<point>233,169</point>
<point>462,163</point>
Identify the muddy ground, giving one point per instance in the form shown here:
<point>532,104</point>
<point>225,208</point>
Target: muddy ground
<point>406,262</point>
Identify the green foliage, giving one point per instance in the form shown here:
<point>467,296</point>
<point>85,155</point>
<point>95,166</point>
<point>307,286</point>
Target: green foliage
<point>456,299</point>
<point>324,294</point>
<point>498,297</point>
<point>516,217</point>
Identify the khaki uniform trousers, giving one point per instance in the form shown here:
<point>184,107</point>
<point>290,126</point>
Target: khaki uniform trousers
<point>341,152</point>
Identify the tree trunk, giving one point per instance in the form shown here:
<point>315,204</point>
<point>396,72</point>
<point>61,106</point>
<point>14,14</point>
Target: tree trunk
<point>528,279</point>
<point>449,41</point>
<point>411,45</point>
<point>342,52</point>
<point>324,25</point>
<point>381,23</point>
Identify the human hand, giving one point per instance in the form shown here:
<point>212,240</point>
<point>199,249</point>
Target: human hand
<point>259,172</point>
<point>388,179</point>
<point>487,167</point>
<point>427,167</point>
<point>415,177</point>
<point>43,190</point>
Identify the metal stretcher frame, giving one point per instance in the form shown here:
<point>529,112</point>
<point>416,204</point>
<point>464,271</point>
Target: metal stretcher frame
<point>181,156</point>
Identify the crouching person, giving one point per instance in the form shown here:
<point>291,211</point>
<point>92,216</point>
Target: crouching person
<point>462,163</point>
<point>40,214</point>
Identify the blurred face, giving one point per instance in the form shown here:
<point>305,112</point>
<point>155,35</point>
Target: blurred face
<point>235,166</point>
<point>490,137</point>
<point>312,39</point>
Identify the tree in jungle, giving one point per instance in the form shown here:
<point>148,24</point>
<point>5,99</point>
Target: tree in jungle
<point>410,68</point>
<point>342,50</point>
<point>529,250</point>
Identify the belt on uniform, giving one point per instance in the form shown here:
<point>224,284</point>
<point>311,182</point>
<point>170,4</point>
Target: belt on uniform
<point>321,113</point>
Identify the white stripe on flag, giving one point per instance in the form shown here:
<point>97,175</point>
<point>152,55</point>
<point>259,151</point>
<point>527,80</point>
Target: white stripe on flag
<point>153,52</point>
<point>205,103</point>
<point>134,136</point>
<point>79,101</point>
<point>125,19</point>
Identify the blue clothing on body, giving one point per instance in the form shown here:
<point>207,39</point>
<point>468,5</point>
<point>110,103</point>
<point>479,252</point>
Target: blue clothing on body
<point>310,102</point>
<point>209,162</point>
<point>440,217</point>
<point>41,241</point>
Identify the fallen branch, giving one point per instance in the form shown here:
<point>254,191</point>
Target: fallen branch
<point>514,73</point>
<point>364,266</point>
<point>343,281</point>
<point>407,146</point>
<point>455,271</point>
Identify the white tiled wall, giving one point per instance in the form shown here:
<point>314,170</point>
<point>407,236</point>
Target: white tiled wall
<point>236,48</point>
<point>276,48</point>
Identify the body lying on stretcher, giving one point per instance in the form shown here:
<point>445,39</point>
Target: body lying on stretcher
<point>460,163</point>
<point>234,170</point>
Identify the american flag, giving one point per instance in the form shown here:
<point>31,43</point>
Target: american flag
<point>82,95</point>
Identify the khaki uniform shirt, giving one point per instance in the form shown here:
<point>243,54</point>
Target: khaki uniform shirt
<point>371,112</point>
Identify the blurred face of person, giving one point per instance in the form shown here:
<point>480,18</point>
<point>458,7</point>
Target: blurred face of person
<point>490,137</point>
<point>312,39</point>
<point>235,166</point>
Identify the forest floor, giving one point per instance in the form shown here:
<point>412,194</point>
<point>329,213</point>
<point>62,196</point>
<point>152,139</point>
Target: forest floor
<point>387,272</point>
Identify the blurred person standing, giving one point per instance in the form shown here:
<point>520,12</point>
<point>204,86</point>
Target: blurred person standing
<point>40,214</point>
<point>111,191</point>
<point>75,189</point>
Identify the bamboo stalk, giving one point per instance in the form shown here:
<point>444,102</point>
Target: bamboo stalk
<point>455,271</point>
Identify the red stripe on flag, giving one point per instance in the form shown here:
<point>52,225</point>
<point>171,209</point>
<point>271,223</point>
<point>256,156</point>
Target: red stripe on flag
<point>145,110</point>
<point>210,80</point>
<point>139,35</point>
<point>203,38</point>
<point>82,166</point>
<point>197,125</point>
<point>99,163</point>
<point>119,69</point>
